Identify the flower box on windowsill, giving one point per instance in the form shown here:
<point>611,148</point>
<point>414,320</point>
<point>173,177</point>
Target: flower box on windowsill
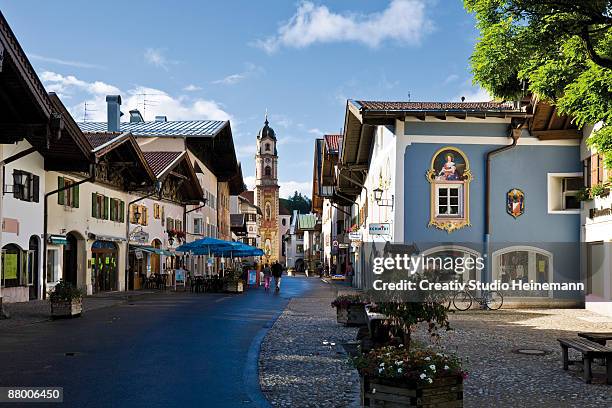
<point>66,308</point>
<point>443,392</point>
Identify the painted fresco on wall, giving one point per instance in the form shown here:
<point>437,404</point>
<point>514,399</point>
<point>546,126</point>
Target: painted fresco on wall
<point>515,202</point>
<point>449,176</point>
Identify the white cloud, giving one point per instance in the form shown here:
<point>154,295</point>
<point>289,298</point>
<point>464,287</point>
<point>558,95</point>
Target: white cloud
<point>287,188</point>
<point>230,79</point>
<point>58,61</point>
<point>403,21</point>
<point>287,140</point>
<point>192,88</point>
<point>250,70</point>
<point>475,95</point>
<point>245,150</point>
<point>156,57</point>
<point>315,131</point>
<point>250,182</point>
<point>157,102</point>
<point>450,78</point>
<point>67,85</point>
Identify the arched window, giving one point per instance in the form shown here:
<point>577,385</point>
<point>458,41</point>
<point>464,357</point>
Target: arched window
<point>434,256</point>
<point>267,147</point>
<point>268,171</point>
<point>524,264</point>
<point>12,265</point>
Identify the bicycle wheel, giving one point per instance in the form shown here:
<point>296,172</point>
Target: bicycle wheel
<point>462,300</point>
<point>495,300</point>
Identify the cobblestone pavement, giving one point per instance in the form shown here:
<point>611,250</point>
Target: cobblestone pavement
<point>499,376</point>
<point>302,362</point>
<point>36,311</point>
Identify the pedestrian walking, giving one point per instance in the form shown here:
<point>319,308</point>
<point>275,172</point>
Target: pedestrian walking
<point>277,272</point>
<point>267,272</point>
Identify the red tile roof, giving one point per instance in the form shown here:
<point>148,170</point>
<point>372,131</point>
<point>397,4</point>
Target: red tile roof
<point>249,195</point>
<point>436,106</point>
<point>159,161</point>
<point>332,143</point>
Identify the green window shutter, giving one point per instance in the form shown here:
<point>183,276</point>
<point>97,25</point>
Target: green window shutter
<point>75,196</point>
<point>111,213</point>
<point>60,195</point>
<point>122,211</point>
<point>94,205</point>
<point>105,208</point>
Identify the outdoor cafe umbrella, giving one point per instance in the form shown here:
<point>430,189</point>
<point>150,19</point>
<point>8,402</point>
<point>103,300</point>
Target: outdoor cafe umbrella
<point>205,246</point>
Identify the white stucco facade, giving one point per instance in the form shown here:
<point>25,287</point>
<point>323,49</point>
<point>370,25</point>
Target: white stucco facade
<point>22,222</point>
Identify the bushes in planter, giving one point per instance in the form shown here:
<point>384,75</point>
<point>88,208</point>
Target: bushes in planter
<point>64,292</point>
<point>66,300</point>
<point>401,364</point>
<point>350,309</point>
<point>346,300</point>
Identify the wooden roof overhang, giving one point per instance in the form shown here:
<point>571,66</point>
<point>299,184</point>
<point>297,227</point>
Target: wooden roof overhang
<point>355,155</point>
<point>236,183</point>
<point>317,200</point>
<point>29,112</point>
<point>548,124</point>
<point>123,155</point>
<point>183,173</point>
<point>217,152</point>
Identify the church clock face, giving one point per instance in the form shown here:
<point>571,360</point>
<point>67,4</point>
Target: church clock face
<point>268,160</point>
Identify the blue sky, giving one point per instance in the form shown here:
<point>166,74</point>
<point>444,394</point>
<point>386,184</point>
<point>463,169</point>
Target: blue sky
<point>235,59</point>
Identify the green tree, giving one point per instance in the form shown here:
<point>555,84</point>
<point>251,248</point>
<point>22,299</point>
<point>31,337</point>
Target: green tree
<point>297,202</point>
<point>559,50</point>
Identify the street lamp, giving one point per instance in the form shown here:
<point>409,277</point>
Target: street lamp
<point>377,194</point>
<point>380,201</point>
<point>136,215</point>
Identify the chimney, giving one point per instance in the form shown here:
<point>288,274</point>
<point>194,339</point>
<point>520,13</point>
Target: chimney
<point>113,109</point>
<point>161,119</point>
<point>135,116</point>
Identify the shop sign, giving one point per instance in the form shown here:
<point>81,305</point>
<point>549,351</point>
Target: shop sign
<point>379,228</point>
<point>140,236</point>
<point>600,212</point>
<point>343,246</point>
<point>355,236</point>
<point>138,254</point>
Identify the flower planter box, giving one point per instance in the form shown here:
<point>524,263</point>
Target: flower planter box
<point>233,287</point>
<point>352,315</point>
<point>66,309</point>
<point>444,392</point>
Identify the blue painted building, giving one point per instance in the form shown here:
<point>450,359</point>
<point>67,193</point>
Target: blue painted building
<point>422,169</point>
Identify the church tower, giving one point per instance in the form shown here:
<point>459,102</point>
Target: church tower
<point>266,191</point>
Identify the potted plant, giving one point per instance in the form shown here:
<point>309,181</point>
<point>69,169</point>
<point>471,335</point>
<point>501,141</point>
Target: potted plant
<point>66,300</point>
<point>350,310</point>
<point>232,282</point>
<point>415,377</point>
<point>180,235</point>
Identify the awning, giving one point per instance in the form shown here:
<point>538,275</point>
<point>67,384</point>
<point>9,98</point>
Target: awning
<point>150,249</point>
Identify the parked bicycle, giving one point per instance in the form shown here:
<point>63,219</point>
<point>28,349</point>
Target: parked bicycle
<point>492,300</point>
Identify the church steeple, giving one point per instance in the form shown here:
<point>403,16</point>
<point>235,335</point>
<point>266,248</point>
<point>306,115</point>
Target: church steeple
<point>267,189</point>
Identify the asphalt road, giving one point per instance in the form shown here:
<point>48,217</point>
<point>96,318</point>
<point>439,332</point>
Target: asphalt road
<point>164,350</point>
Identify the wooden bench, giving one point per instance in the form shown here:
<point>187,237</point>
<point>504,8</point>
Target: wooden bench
<point>589,350</point>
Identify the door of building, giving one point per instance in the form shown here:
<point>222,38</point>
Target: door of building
<point>104,266</point>
<point>33,267</point>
